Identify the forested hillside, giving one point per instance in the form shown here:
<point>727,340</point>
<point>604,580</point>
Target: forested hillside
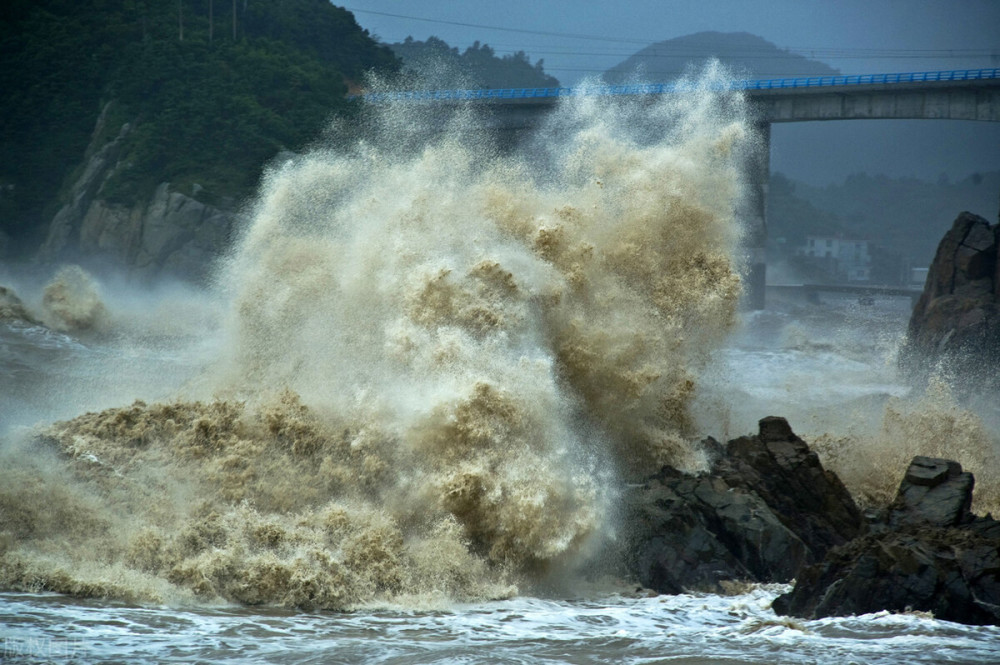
<point>438,65</point>
<point>906,214</point>
<point>903,218</point>
<point>210,90</point>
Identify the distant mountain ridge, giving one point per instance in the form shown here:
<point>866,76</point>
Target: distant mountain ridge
<point>744,53</point>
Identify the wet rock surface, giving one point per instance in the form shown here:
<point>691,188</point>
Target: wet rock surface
<point>957,319</point>
<point>700,531</point>
<point>767,511</point>
<point>928,553</point>
<point>934,492</point>
<point>779,467</point>
<point>766,508</point>
<point>169,233</point>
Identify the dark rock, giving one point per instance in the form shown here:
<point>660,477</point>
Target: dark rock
<point>935,492</point>
<point>779,467</point>
<point>766,509</point>
<point>698,531</point>
<point>931,556</point>
<point>957,318</point>
<point>954,573</point>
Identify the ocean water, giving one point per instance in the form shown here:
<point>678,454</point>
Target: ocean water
<point>689,629</point>
<point>396,425</point>
<point>606,622</point>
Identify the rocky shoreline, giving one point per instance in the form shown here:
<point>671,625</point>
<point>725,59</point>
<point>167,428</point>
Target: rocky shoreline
<point>767,511</point>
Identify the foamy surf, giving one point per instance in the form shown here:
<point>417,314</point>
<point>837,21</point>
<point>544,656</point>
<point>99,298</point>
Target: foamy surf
<point>430,368</point>
<point>692,629</point>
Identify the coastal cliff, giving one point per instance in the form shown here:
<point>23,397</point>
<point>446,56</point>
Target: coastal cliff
<point>136,156</point>
<point>166,233</point>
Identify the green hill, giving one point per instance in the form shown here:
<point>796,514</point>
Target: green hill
<point>438,65</point>
<point>210,91</point>
<point>742,52</point>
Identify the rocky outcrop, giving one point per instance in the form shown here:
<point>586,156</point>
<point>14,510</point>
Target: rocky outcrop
<point>11,307</point>
<point>766,509</point>
<point>957,318</point>
<point>170,233</point>
<point>779,467</point>
<point>934,492</point>
<point>696,532</point>
<point>928,554</point>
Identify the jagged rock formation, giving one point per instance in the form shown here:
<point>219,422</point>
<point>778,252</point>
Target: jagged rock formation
<point>171,233</point>
<point>779,467</point>
<point>766,509</point>
<point>935,492</point>
<point>11,307</point>
<point>957,319</point>
<point>928,554</point>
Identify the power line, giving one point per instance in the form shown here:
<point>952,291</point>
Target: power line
<point>744,55</point>
<point>814,51</point>
<point>544,33</point>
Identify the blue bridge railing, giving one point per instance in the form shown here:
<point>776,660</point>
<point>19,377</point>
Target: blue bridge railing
<point>661,88</point>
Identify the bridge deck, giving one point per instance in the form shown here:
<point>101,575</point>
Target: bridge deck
<point>852,82</point>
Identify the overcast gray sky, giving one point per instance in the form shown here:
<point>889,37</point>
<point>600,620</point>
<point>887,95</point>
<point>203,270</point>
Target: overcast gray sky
<point>580,37</point>
<point>855,36</point>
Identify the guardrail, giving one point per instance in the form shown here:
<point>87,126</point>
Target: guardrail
<point>666,88</point>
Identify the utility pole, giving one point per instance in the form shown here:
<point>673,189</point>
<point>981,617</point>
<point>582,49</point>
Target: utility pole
<point>143,9</point>
<point>234,20</point>
<point>211,20</point>
<point>180,19</point>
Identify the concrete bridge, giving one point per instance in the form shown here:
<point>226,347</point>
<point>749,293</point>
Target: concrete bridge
<point>944,95</point>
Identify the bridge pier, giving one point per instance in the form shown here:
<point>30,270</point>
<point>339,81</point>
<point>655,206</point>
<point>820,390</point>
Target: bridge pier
<point>753,214</point>
<point>972,94</point>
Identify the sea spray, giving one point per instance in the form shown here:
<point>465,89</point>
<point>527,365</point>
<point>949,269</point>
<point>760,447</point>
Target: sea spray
<point>871,461</point>
<point>833,372</point>
<point>438,364</point>
<point>72,302</point>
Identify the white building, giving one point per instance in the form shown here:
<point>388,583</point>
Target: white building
<point>845,258</point>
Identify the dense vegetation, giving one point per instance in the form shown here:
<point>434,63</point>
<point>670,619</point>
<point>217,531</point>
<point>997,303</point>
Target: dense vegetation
<point>211,89</point>
<point>903,218</point>
<point>438,65</point>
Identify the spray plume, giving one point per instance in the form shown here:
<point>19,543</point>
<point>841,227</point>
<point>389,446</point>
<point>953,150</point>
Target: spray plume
<point>439,361</point>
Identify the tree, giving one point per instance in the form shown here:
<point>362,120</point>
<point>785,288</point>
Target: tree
<point>198,113</point>
<point>438,65</point>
